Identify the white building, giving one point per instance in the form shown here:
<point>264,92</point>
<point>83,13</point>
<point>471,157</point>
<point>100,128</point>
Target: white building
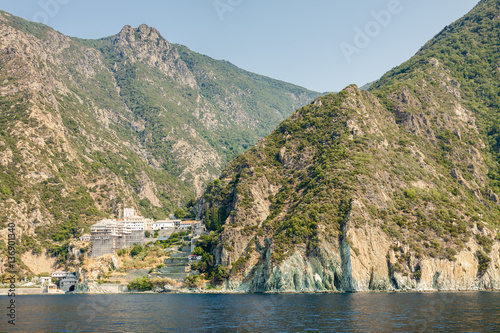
<point>44,280</point>
<point>135,222</point>
<point>128,212</point>
<point>134,225</point>
<point>166,224</point>
<point>85,238</point>
<point>130,222</point>
<point>61,274</point>
<point>110,235</point>
<point>109,228</point>
<point>52,289</point>
<point>187,224</point>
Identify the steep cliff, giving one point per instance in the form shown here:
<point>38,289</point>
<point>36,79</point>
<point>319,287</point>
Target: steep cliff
<point>90,126</point>
<point>394,188</point>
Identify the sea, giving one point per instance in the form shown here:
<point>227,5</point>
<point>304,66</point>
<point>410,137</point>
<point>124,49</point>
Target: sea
<point>356,312</point>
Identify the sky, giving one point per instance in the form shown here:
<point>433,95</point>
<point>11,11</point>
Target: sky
<point>323,45</point>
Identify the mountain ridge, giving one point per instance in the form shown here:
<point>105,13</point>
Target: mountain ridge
<point>394,188</point>
<point>91,126</point>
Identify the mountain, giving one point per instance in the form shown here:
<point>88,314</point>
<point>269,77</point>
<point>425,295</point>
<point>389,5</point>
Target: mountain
<point>394,188</point>
<point>88,127</point>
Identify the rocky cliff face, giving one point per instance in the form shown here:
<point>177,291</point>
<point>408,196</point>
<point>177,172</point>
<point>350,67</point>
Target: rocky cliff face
<point>88,127</point>
<point>390,189</point>
<point>145,45</point>
<point>396,230</point>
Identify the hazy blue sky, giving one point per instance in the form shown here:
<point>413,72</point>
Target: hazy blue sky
<point>292,40</point>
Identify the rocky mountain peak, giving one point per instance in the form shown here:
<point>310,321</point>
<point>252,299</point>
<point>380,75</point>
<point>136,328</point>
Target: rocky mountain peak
<point>145,44</point>
<point>144,33</point>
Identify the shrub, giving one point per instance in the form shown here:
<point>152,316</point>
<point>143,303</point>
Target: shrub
<point>137,249</point>
<point>140,284</point>
<point>418,273</point>
<point>411,193</point>
<point>451,253</point>
<point>484,262</point>
<point>195,281</point>
<point>485,242</point>
<point>161,282</point>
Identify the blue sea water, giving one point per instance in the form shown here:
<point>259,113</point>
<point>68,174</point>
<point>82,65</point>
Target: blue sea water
<point>359,312</point>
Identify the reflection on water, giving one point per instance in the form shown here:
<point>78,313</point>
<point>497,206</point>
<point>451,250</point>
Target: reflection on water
<point>361,312</point>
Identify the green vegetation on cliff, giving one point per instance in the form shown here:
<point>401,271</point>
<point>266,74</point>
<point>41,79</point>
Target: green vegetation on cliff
<point>469,53</point>
<point>416,157</point>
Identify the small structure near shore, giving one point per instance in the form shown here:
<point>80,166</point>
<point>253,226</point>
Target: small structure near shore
<point>52,289</point>
<point>68,283</point>
<point>44,280</point>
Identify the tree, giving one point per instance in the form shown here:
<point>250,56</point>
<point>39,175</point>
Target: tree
<point>198,251</point>
<point>213,220</point>
<point>136,250</point>
<point>180,213</point>
<point>219,274</point>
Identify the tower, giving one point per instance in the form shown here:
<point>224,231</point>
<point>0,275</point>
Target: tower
<point>128,212</point>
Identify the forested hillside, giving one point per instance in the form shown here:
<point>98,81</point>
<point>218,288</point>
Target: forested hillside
<point>393,188</point>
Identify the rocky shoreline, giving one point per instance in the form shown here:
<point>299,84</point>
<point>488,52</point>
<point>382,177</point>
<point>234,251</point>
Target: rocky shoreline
<point>39,291</point>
